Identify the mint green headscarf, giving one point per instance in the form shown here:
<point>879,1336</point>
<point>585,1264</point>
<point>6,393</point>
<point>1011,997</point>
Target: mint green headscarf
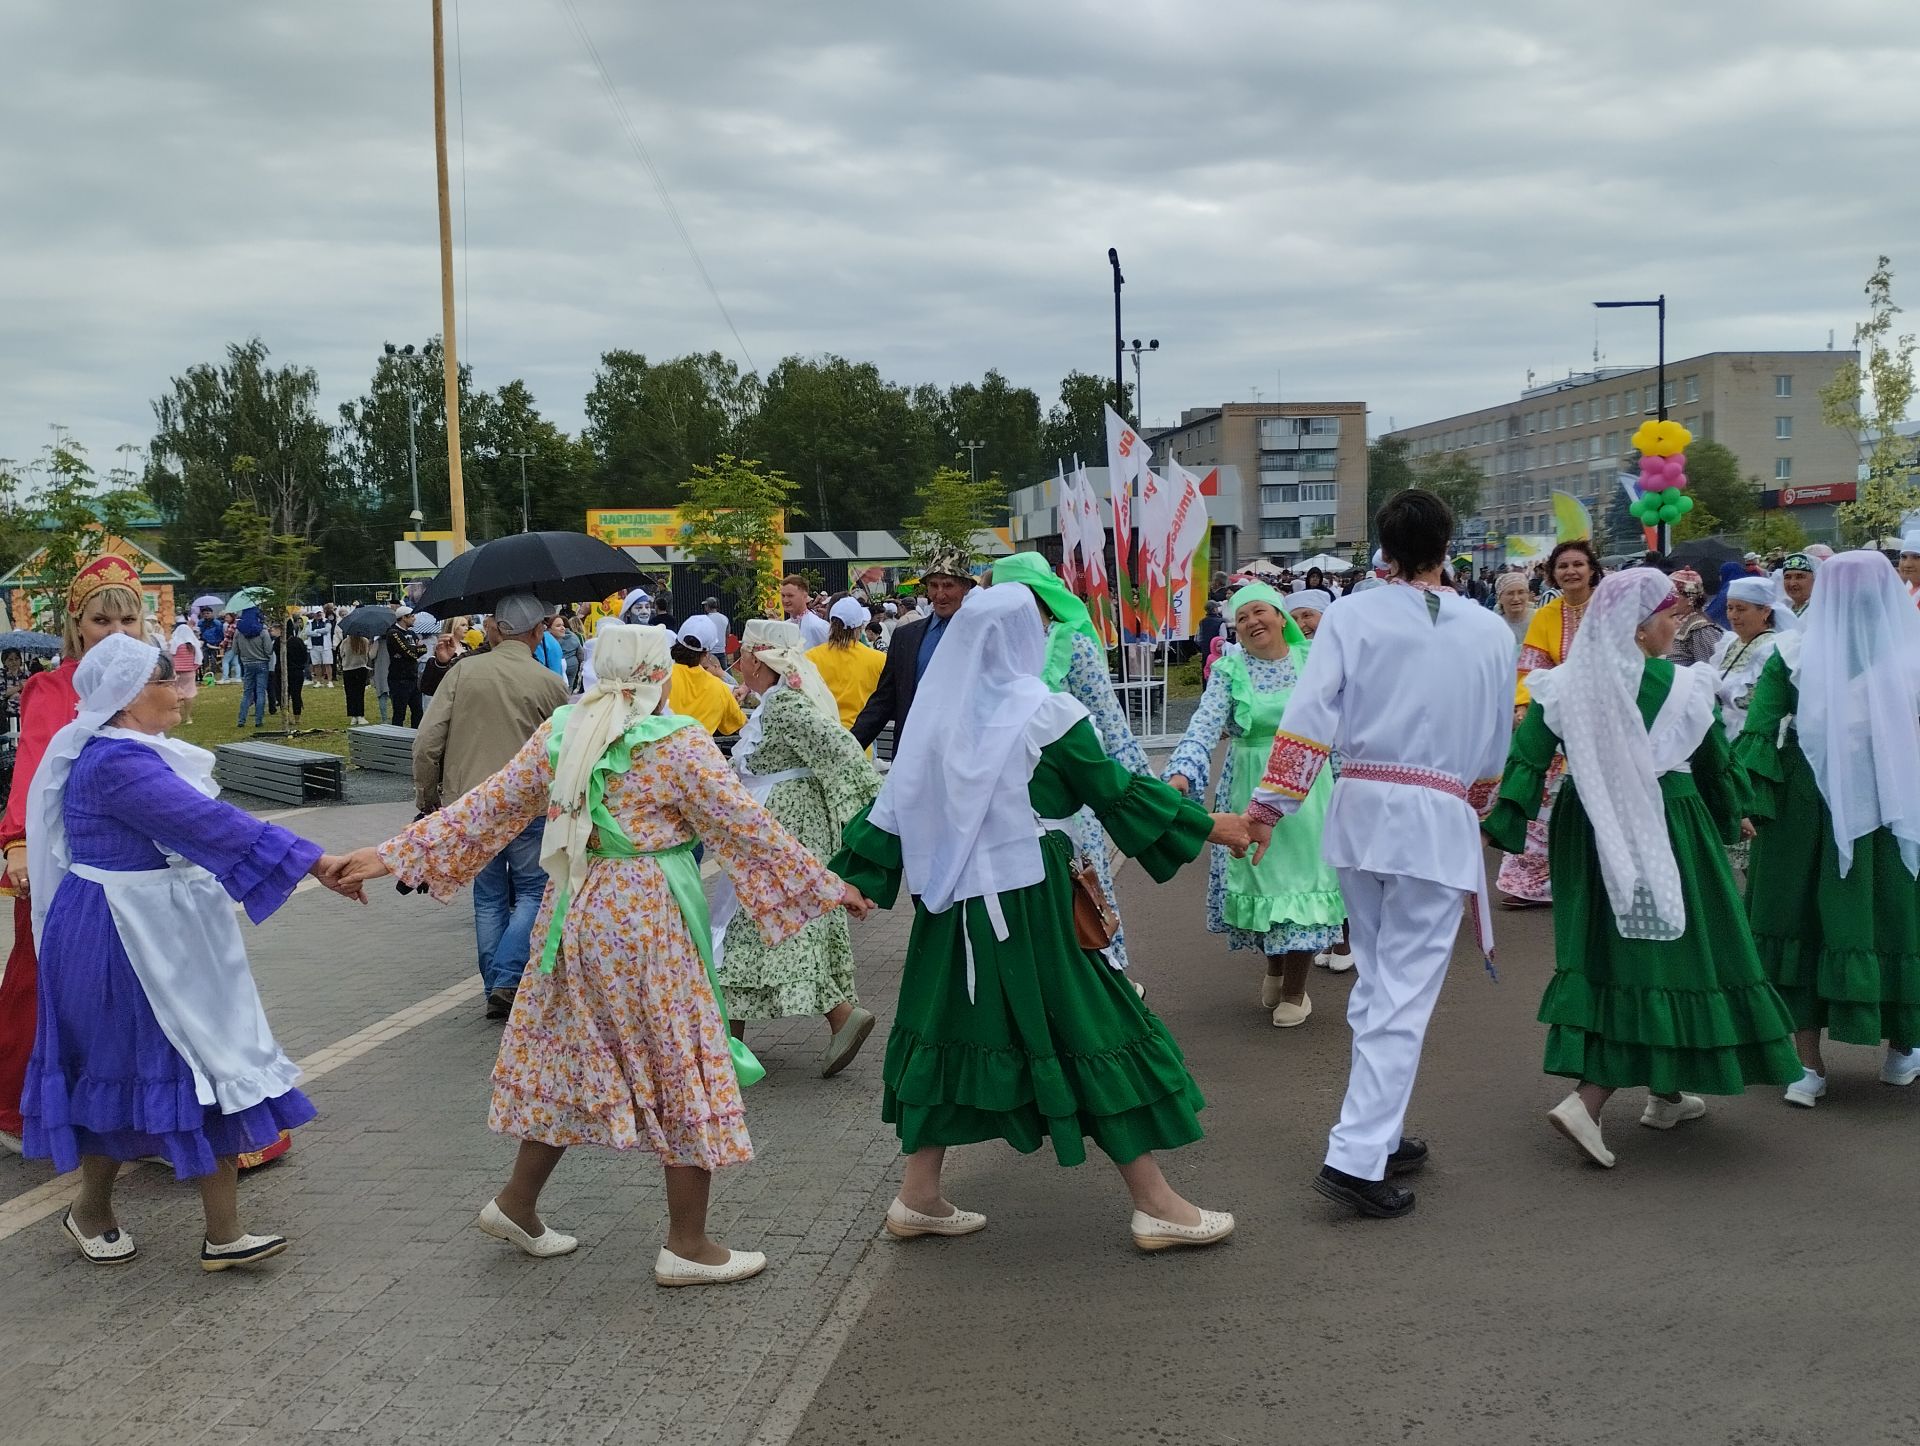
<point>1255,592</point>
<point>1070,615</point>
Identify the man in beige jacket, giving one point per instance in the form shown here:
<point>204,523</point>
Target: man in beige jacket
<point>484,710</point>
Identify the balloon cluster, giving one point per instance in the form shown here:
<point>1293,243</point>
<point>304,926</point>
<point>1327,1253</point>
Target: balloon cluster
<point>1663,472</point>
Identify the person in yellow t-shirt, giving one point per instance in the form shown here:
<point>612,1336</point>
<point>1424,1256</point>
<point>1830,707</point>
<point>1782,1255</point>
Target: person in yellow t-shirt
<point>851,668</point>
<point>699,692</point>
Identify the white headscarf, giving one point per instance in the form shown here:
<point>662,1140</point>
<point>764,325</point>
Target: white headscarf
<point>1859,682</point>
<point>1590,701</point>
<point>632,665</point>
<point>1309,597</point>
<point>956,797</point>
<point>184,635</point>
<point>1764,593</point>
<point>109,677</point>
<point>778,645</point>
<point>632,601</point>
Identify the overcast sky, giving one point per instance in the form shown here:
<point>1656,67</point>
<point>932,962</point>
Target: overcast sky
<point>1409,204</point>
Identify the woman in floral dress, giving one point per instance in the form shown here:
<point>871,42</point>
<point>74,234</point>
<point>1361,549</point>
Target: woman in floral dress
<point>618,1037</point>
<point>807,771</point>
<point>1076,664</point>
<point>1288,906</point>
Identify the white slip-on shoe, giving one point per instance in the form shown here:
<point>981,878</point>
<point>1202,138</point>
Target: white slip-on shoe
<point>671,1269</point>
<point>1139,989</point>
<point>905,1224</point>
<point>1807,1089</point>
<point>13,1144</point>
<point>1665,1114</point>
<point>846,1042</point>
<point>1152,1233</point>
<point>1334,963</point>
<point>1288,1016</point>
<point>1571,1119</point>
<point>1270,991</point>
<point>247,1250</point>
<point>1902,1066</point>
<point>110,1247</point>
<point>493,1221</point>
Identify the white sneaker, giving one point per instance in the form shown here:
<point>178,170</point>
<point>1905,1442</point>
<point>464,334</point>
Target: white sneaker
<point>1571,1119</point>
<point>1902,1066</point>
<point>671,1269</point>
<point>1332,962</point>
<point>1665,1114</point>
<point>1808,1088</point>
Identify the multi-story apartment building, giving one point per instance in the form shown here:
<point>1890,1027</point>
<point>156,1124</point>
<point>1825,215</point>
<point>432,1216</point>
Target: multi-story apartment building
<point>1310,459</point>
<point>1571,435</point>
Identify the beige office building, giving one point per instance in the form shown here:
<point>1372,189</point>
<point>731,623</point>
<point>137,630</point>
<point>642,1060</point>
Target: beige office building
<point>1310,462</point>
<point>1570,436</point>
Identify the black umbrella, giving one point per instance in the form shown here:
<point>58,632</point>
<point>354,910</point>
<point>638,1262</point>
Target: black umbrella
<point>555,567</point>
<point>1705,555</point>
<point>368,622</point>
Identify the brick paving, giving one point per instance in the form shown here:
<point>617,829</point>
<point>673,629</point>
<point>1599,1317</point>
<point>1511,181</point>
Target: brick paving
<point>391,1319</point>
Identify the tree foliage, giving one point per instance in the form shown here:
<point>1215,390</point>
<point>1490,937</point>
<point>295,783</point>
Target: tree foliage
<point>649,425</point>
<point>1389,470</point>
<point>249,553</point>
<point>954,508</point>
<point>1715,483</point>
<point>734,516</point>
<point>1076,425</point>
<point>1451,477</point>
<point>1776,531</point>
<point>70,519</point>
<point>1872,402</point>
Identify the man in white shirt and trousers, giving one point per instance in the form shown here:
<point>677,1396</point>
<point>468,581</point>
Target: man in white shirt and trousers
<point>1414,686</point>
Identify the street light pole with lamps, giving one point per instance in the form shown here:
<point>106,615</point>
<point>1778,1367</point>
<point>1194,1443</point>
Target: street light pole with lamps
<point>1659,304</point>
<point>971,447</point>
<point>406,355</point>
<point>1139,393</point>
<point>523,453</point>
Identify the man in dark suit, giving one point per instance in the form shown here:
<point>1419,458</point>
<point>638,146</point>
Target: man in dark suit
<point>947,578</point>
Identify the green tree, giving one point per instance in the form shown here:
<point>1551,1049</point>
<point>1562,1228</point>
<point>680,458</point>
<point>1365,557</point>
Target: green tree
<point>249,553</point>
<point>1451,477</point>
<point>1007,419</point>
<point>213,416</point>
<point>68,521</point>
<point>1695,525</point>
<point>559,470</point>
<point>1776,531</point>
<point>952,509</point>
<point>1389,470</point>
<point>1717,488</point>
<point>1076,425</point>
<point>1872,402</point>
<point>855,445</point>
<point>1620,530</point>
<point>734,521</point>
<point>649,424</point>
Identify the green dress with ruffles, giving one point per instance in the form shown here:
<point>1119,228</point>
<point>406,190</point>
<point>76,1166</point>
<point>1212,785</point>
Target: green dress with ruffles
<point>1054,1045</point>
<point>1843,952</point>
<point>1693,1013</point>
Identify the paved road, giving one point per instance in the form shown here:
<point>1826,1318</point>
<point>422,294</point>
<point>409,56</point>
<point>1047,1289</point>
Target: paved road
<point>1749,1280</point>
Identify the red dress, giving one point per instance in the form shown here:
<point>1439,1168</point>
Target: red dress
<point>48,703</point>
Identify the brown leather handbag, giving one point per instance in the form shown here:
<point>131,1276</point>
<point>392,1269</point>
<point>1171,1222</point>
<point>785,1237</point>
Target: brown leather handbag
<point>1094,920</point>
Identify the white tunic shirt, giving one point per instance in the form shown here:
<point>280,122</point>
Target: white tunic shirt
<point>1419,701</point>
<point>1736,668</point>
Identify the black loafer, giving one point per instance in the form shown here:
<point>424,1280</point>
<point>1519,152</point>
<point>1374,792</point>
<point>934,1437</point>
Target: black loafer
<point>1369,1197</point>
<point>499,1002</point>
<point>1411,1155</point>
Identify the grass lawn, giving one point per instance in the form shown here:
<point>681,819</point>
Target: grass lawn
<point>323,719</point>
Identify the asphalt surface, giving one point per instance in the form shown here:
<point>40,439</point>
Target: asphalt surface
<point>1748,1279</point>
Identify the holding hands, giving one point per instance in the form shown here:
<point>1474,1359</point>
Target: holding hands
<point>1230,830</point>
<point>855,902</point>
<point>328,869</point>
<point>348,874</point>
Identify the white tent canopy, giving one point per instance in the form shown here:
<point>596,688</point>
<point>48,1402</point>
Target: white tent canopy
<point>1325,561</point>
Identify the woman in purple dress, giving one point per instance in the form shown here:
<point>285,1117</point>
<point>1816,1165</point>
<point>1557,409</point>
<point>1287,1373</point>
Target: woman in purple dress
<point>151,1041</point>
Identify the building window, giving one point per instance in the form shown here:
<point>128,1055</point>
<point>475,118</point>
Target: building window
<point>1613,406</point>
<point>1647,403</point>
<point>1276,529</point>
<point>1319,491</point>
<point>1692,424</point>
<point>1783,385</point>
<point>1783,427</point>
<point>1612,449</point>
<point>1783,469</point>
<point>1669,394</point>
<point>1579,413</point>
<point>1560,416</point>
<point>1593,446</point>
<point>1529,424</point>
<point>1322,426</point>
<point>1559,452</point>
<point>1693,389</point>
<point>1316,461</point>
<point>1279,492</point>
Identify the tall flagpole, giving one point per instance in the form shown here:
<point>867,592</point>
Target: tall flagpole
<point>456,487</point>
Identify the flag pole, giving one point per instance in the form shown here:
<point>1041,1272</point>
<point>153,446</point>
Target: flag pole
<point>456,486</point>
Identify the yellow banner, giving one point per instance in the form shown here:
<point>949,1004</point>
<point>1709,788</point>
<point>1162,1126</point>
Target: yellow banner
<point>657,527</point>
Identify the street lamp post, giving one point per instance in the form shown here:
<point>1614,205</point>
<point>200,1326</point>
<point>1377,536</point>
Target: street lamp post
<point>523,453</point>
<point>971,447</point>
<point>1139,392</point>
<point>1119,379</point>
<point>1659,304</point>
<point>403,358</point>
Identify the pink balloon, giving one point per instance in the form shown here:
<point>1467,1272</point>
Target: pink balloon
<point>1654,482</point>
<point>1651,467</point>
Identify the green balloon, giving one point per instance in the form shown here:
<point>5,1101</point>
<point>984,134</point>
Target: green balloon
<point>1686,505</point>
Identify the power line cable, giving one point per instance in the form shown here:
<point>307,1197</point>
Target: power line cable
<point>653,172</point>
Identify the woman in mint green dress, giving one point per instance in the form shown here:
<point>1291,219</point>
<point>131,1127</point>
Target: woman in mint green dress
<point>1287,906</point>
<point>1007,1028</point>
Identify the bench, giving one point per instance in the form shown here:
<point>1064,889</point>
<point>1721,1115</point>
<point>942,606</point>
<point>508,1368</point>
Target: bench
<point>381,748</point>
<point>275,771</point>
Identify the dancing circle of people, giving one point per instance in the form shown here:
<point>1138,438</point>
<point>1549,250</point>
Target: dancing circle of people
<point>1371,745</point>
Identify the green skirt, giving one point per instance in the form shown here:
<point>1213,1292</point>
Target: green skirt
<point>1844,953</point>
<point>1693,1013</point>
<point>1054,1045</point>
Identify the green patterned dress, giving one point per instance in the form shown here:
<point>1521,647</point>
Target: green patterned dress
<point>1844,953</point>
<point>1054,1045</point>
<point>813,971</point>
<point>1693,1013</point>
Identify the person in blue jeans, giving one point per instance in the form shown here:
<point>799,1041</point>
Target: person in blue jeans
<point>483,711</point>
<point>254,648</point>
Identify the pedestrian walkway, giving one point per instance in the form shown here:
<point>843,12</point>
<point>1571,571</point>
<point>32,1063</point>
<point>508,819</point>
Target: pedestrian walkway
<point>391,1319</point>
